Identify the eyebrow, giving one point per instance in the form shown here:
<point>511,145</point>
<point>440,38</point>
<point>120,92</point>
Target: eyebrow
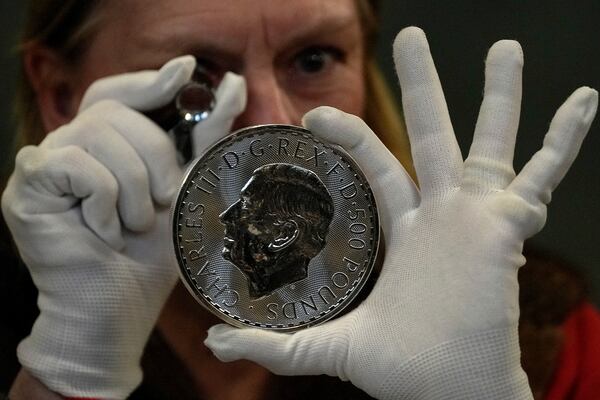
<point>171,38</point>
<point>321,25</point>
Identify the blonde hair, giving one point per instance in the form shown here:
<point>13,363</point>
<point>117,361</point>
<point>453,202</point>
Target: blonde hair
<point>67,26</point>
<point>382,112</point>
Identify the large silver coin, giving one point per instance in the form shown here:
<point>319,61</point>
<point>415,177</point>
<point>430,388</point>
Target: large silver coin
<point>275,229</point>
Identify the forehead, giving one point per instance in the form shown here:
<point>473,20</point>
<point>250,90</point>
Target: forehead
<point>278,12</point>
<point>275,21</point>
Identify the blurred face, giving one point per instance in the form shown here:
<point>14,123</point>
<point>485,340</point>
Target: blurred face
<point>295,55</point>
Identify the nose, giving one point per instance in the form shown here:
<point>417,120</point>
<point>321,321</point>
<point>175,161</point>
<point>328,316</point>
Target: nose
<point>268,102</point>
<point>231,212</point>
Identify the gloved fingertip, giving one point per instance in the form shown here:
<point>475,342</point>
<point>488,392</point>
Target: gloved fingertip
<point>232,79</point>
<point>232,93</point>
<point>585,99</point>
<point>218,341</point>
<point>184,65</point>
<point>322,119</point>
<point>410,38</point>
<point>335,126</point>
<point>592,105</point>
<point>216,331</point>
<point>411,31</point>
<point>504,50</point>
<point>591,98</point>
<point>319,113</point>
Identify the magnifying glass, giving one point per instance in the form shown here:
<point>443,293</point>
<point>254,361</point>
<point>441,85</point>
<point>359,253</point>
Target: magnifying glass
<point>194,103</point>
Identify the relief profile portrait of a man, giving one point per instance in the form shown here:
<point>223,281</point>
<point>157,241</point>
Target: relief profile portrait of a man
<point>277,226</point>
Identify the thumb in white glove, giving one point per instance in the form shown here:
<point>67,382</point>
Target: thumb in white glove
<point>441,321</point>
<point>88,210</point>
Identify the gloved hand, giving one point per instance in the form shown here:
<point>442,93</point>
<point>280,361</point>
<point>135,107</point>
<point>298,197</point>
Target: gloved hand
<point>88,210</point>
<point>441,321</point>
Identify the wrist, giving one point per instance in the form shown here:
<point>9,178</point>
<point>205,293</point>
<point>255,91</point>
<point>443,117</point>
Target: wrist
<point>75,373</point>
<point>485,365</point>
<point>86,343</point>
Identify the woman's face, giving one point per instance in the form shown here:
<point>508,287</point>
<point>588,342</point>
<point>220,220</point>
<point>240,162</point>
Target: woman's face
<point>295,55</point>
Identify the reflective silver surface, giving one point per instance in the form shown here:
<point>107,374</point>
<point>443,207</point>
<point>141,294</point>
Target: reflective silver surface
<point>275,229</point>
<point>194,102</point>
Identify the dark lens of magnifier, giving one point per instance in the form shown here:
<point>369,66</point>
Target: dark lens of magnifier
<point>192,104</point>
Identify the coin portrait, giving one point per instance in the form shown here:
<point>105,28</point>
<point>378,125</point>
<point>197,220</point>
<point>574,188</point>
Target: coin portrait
<point>277,226</point>
<point>274,229</point>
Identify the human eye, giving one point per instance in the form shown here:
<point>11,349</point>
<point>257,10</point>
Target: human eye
<point>317,60</point>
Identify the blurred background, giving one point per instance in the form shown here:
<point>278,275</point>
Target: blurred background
<point>561,42</point>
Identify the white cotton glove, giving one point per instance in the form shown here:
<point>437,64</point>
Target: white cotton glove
<point>441,321</point>
<point>88,210</point>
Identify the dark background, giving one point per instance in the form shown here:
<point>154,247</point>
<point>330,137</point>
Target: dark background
<point>561,43</point>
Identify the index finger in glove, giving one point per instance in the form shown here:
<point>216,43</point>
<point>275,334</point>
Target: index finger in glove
<point>540,176</point>
<point>142,90</point>
<point>394,189</point>
<point>437,157</point>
